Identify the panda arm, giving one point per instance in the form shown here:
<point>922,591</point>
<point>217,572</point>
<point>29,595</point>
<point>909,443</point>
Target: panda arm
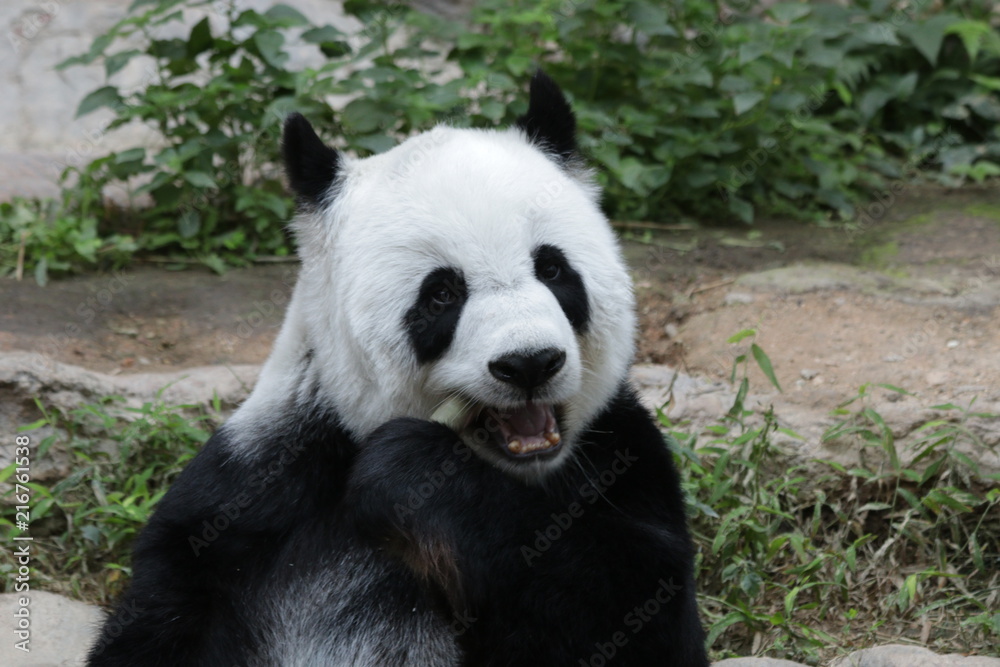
<point>212,540</point>
<point>543,584</point>
<point>168,610</point>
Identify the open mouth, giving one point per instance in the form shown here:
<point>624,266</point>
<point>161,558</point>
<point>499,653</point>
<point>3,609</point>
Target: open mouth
<point>526,431</point>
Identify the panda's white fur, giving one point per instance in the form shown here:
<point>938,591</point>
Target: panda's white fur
<point>479,200</point>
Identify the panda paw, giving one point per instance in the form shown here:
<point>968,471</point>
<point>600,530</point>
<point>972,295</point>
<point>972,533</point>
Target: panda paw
<point>406,469</point>
<point>403,488</point>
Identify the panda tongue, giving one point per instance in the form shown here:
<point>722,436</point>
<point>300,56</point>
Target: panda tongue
<point>529,420</point>
<point>530,428</point>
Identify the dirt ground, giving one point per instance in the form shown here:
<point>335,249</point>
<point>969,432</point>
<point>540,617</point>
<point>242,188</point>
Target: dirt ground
<point>910,300</point>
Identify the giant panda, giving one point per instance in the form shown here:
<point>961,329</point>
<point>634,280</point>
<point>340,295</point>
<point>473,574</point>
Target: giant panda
<point>442,462</point>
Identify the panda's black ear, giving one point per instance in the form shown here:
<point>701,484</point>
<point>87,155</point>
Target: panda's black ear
<point>310,164</point>
<point>549,121</point>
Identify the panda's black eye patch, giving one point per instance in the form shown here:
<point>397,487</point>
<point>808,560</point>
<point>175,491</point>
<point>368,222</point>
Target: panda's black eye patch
<point>432,319</point>
<point>554,270</point>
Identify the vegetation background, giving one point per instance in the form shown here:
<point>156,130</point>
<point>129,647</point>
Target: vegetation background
<point>701,111</point>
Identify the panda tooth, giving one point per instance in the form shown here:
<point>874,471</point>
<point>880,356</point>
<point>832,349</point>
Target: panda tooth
<point>515,446</point>
<point>553,438</point>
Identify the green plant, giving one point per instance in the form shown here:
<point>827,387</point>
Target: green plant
<point>217,97</point>
<point>792,559</point>
<point>122,459</point>
<point>721,112</point>
<point>45,236</point>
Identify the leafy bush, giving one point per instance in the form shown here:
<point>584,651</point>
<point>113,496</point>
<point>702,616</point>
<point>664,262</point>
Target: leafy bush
<point>718,111</point>
<point>218,99</point>
<point>53,239</point>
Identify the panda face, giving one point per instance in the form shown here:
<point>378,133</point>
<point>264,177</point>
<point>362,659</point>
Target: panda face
<point>465,266</point>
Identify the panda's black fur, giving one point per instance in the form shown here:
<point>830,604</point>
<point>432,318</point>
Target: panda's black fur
<point>403,546</point>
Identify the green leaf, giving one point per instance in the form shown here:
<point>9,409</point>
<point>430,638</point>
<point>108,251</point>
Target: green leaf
<point>116,61</point>
<point>972,34</point>
<point>326,33</point>
<point>765,364</point>
<point>741,208</point>
<point>199,179</point>
<point>789,12</point>
<point>365,116</point>
<point>269,43</point>
<point>200,39</point>
<point>329,40</point>
<point>286,16</point>
<point>189,223</point>
<point>42,271</point>
<point>743,102</point>
<point>927,36</point>
<point>650,18</point>
<point>737,337</point>
<point>750,51</point>
<point>102,97</point>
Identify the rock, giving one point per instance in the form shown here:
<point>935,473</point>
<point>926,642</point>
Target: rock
<point>738,298</point>
<point>802,278</point>
<point>62,630</point>
<point>808,373</point>
<point>26,376</point>
<point>756,662</point>
<point>892,358</point>
<point>698,400</point>
<point>703,402</point>
<point>897,655</point>
<point>671,330</point>
<point>937,378</point>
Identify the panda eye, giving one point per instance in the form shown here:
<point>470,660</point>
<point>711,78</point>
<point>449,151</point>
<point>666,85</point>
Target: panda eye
<point>549,271</point>
<point>443,296</point>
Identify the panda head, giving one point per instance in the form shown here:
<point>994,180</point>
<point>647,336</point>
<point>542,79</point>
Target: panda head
<point>469,268</point>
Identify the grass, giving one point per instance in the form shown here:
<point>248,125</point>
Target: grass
<point>795,557</point>
<point>122,461</point>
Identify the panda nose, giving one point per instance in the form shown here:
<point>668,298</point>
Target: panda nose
<point>529,370</point>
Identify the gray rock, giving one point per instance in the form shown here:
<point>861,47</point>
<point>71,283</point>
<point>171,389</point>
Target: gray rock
<point>61,630</point>
<point>698,400</point>
<point>703,402</point>
<point>25,376</point>
<point>756,662</point>
<point>734,298</point>
<point>808,373</point>
<point>897,655</point>
<point>802,278</point>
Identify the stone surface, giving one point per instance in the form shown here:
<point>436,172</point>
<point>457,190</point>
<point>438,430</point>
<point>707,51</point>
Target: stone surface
<point>896,655</point>
<point>756,662</point>
<point>25,376</point>
<point>38,107</point>
<point>61,630</point>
